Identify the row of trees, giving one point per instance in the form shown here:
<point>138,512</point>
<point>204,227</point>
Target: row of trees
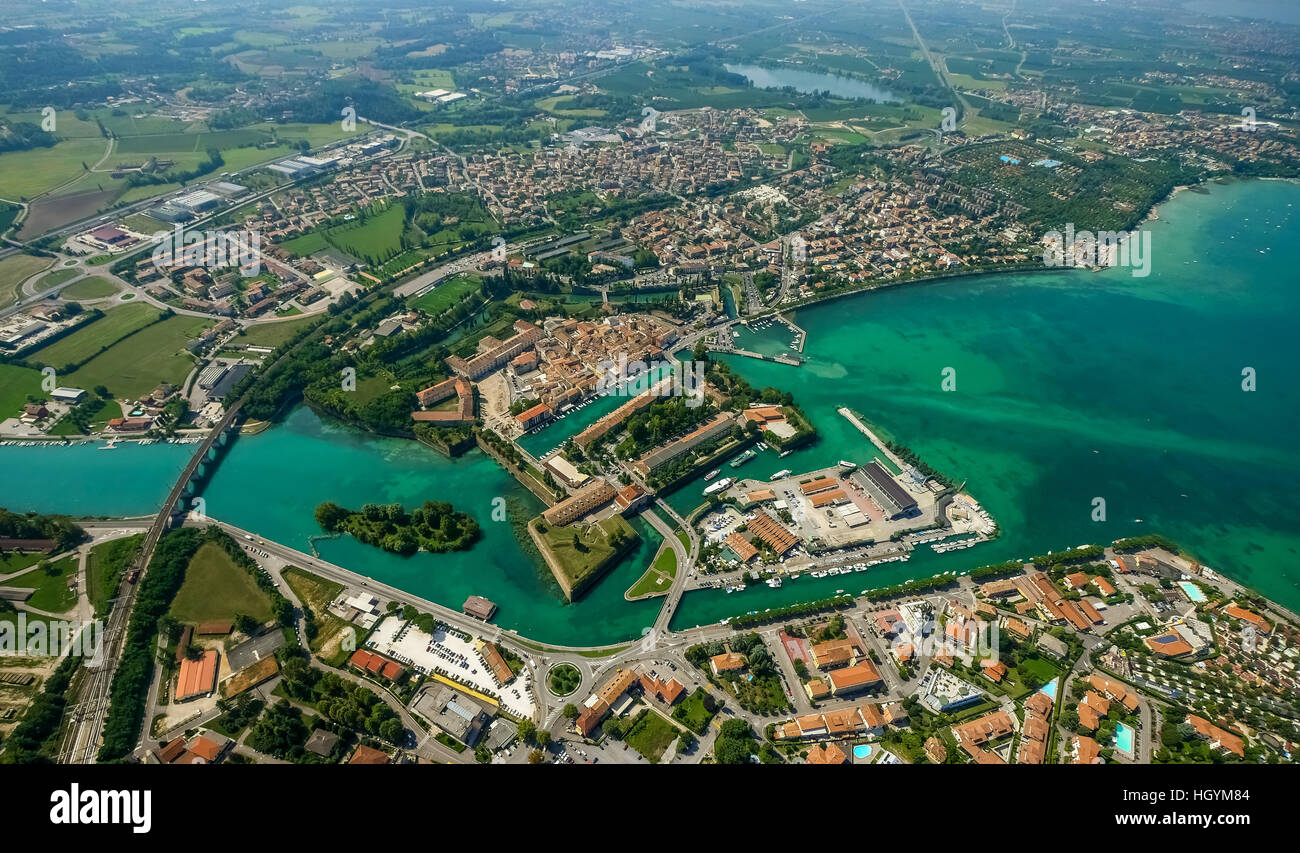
<point>31,525</point>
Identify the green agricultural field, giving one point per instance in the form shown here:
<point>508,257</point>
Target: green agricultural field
<point>52,592</point>
<point>16,383</point>
<point>91,287</point>
<point>216,588</point>
<point>13,271</point>
<point>133,367</point>
<point>377,237</point>
<point>97,335</point>
<point>306,244</point>
<point>140,124</point>
<point>8,214</point>
<point>66,123</point>
<point>315,134</point>
<point>27,174</point>
<point>271,334</point>
<point>445,295</point>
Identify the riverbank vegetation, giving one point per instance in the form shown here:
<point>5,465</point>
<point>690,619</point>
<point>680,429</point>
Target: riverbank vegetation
<point>31,525</point>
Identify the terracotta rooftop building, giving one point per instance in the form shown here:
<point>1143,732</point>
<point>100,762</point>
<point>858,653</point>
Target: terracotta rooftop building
<point>197,677</point>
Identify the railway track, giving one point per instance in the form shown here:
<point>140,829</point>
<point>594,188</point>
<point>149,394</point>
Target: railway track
<point>84,719</point>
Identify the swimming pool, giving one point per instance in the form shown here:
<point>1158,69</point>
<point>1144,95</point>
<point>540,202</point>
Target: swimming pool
<point>1124,738</point>
<point>1049,689</point>
<point>861,751</point>
<point>1193,591</point>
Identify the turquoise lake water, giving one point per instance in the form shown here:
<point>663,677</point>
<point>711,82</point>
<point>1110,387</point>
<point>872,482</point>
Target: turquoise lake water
<point>810,82</point>
<point>1070,386</point>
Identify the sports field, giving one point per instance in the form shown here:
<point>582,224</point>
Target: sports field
<point>446,294</point>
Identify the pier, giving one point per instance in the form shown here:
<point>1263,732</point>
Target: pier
<point>865,430</point>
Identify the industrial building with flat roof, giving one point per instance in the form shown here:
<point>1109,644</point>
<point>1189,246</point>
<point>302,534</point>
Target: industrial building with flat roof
<point>884,489</point>
<point>453,712</point>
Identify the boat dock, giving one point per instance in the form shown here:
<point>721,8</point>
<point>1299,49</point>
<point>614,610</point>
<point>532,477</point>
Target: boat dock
<point>800,336</point>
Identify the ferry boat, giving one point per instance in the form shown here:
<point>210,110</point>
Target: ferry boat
<point>709,476</point>
<point>718,486</point>
<point>844,463</point>
<point>743,458</point>
<point>784,472</point>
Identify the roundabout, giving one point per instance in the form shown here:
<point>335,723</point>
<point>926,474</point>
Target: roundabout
<point>563,679</point>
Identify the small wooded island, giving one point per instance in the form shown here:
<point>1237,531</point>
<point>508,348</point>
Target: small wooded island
<point>434,526</point>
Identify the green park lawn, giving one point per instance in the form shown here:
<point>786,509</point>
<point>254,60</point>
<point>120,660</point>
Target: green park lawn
<point>91,287</point>
<point>52,592</point>
<point>659,577</point>
<point>15,561</point>
<point>216,588</point>
<point>651,734</point>
<point>594,549</point>
<point>694,711</point>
